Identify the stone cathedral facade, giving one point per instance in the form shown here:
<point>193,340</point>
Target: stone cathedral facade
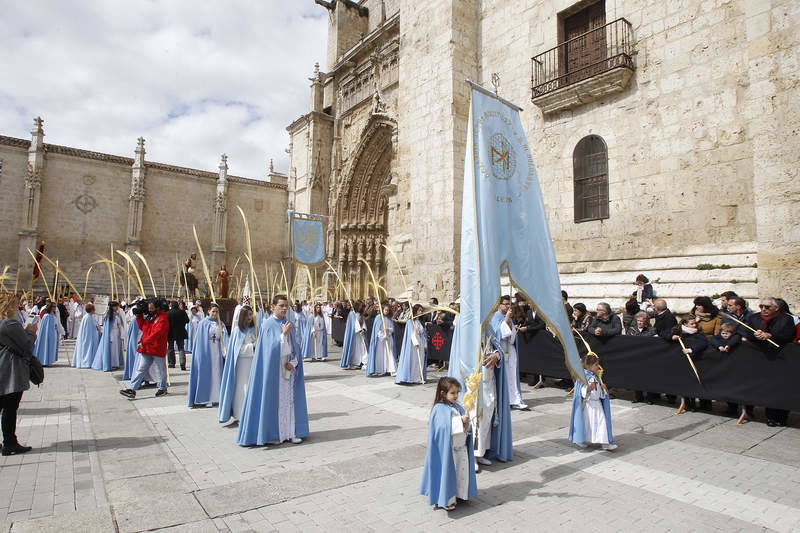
<point>79,203</point>
<point>665,136</point>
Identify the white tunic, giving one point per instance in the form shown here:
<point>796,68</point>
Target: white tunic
<point>319,329</point>
<point>243,364</point>
<point>594,417</point>
<point>509,345</point>
<point>327,311</point>
<point>217,362</point>
<point>115,340</point>
<point>488,401</point>
<point>458,444</point>
<point>286,391</point>
<point>384,359</point>
<point>358,355</point>
<point>420,344</point>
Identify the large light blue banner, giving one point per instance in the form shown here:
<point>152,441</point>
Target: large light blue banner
<point>308,240</point>
<point>503,230</point>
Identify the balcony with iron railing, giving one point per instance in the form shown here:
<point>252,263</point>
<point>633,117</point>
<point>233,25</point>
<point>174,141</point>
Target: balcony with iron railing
<point>584,68</point>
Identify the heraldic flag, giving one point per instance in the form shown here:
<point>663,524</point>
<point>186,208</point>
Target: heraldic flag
<point>308,238</point>
<point>502,199</point>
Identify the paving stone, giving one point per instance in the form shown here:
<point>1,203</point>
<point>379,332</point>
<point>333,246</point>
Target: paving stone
<point>157,512</point>
<point>98,519</point>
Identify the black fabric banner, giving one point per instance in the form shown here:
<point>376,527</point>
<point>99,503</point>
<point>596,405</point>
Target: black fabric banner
<point>399,331</point>
<point>337,329</point>
<point>439,340</point>
<point>750,374</point>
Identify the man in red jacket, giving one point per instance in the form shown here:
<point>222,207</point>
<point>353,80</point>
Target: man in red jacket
<point>153,347</point>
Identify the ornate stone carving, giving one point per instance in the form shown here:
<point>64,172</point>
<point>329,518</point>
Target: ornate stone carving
<point>85,203</point>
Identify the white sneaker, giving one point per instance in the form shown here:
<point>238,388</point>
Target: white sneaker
<point>609,447</point>
<point>581,445</point>
<point>477,468</point>
<point>483,461</point>
<point>521,406</point>
<point>296,440</point>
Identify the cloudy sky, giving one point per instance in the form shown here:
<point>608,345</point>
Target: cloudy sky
<point>195,78</point>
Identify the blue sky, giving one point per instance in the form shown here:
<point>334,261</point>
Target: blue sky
<point>194,78</point>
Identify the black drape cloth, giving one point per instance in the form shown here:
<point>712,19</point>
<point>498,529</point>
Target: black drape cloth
<point>750,374</point>
<point>399,331</point>
<point>337,329</point>
<point>439,340</point>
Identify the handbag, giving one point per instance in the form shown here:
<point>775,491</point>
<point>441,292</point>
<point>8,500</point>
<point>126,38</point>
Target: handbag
<point>36,370</point>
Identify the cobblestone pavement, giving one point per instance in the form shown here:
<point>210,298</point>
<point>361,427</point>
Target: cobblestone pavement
<point>103,463</point>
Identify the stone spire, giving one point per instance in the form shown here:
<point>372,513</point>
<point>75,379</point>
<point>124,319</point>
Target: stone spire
<point>220,214</point>
<point>316,90</point>
<point>136,199</point>
<point>29,232</point>
<point>33,177</point>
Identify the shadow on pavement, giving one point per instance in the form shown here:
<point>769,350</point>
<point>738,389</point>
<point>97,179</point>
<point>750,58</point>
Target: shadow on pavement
<point>111,443</point>
<point>44,411</point>
<point>349,433</point>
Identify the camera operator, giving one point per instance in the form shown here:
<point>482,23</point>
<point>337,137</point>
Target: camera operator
<point>151,317</point>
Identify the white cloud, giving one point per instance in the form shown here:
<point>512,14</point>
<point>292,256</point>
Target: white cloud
<point>195,78</point>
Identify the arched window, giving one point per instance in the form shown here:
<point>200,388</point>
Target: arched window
<point>590,174</point>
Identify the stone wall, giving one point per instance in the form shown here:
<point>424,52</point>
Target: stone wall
<point>437,51</point>
<point>705,117</point>
<point>84,209</point>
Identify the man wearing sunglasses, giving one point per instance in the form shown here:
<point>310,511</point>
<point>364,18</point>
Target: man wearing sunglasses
<point>771,324</point>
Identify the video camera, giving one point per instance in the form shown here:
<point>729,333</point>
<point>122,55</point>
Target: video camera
<point>141,307</point>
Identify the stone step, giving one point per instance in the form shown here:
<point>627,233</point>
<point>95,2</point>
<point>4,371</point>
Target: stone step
<point>661,277</point>
<point>643,265</point>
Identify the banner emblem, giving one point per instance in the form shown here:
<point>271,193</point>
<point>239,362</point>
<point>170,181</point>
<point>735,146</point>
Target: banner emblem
<point>308,240</point>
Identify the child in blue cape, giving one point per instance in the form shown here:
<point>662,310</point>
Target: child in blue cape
<point>449,471</point>
<point>591,418</point>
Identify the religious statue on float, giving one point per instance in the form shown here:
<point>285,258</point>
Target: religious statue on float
<point>188,278</point>
<point>222,282</point>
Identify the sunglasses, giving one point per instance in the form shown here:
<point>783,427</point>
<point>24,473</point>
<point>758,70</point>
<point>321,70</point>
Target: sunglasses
<point>762,306</point>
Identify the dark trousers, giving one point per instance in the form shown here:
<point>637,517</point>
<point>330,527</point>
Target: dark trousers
<point>9,403</point>
<point>778,415</point>
<point>171,353</point>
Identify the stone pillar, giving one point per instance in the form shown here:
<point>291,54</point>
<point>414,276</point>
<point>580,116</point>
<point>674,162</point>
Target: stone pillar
<point>219,233</point>
<point>316,90</point>
<point>136,200</point>
<point>774,124</point>
<point>29,232</point>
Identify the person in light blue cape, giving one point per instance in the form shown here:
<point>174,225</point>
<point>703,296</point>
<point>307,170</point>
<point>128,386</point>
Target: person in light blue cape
<point>449,471</point>
<point>413,364</point>
<point>275,405</point>
<point>354,347</point>
<point>46,347</point>
<point>109,352</point>
<point>87,341</point>
<point>501,448</point>
<point>591,421</point>
<point>240,349</point>
<point>494,426</point>
<point>315,339</point>
<point>194,321</point>
<point>298,320</point>
<point>132,337</point>
<point>208,360</point>
<point>380,356</point>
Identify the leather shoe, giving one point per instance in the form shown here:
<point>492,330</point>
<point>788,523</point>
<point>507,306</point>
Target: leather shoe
<point>128,393</point>
<point>16,449</point>
<point>161,392</point>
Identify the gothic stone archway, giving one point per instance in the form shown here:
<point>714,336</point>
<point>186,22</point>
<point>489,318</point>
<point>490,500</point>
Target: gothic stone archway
<point>360,206</point>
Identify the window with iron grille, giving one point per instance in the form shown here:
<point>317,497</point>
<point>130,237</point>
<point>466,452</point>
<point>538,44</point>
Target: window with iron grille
<point>590,175</point>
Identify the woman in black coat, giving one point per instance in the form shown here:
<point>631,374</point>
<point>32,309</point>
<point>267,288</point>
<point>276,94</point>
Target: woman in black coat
<point>16,352</point>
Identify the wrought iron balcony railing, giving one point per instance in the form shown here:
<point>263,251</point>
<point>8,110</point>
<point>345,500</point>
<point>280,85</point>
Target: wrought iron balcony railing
<point>594,52</point>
